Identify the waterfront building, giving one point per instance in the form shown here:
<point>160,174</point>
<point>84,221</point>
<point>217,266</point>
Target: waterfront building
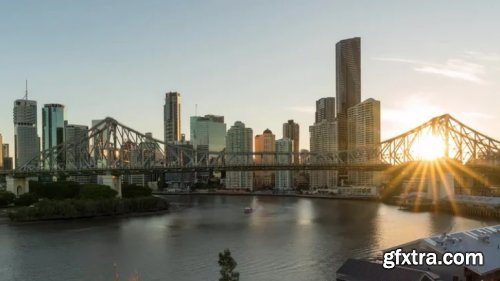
<point>348,83</point>
<point>291,130</point>
<point>239,139</point>
<point>77,150</point>
<point>209,132</point>
<point>77,145</point>
<point>52,133</point>
<point>323,144</point>
<point>172,117</point>
<point>179,153</point>
<point>144,154</point>
<point>284,179</point>
<point>363,129</point>
<point>26,140</point>
<point>265,143</point>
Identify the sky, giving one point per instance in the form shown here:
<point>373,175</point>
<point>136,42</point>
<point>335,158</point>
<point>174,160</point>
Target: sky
<point>262,62</point>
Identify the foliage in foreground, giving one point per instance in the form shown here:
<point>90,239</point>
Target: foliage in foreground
<point>227,265</point>
<point>71,190</point>
<point>26,199</point>
<point>6,198</point>
<point>77,208</point>
<point>132,191</point>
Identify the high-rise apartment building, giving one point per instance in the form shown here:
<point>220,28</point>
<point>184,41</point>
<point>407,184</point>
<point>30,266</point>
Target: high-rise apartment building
<point>210,131</point>
<point>323,142</point>
<point>239,139</point>
<point>364,135</point>
<point>291,130</point>
<point>284,150</point>
<point>172,117</point>
<point>348,83</point>
<point>265,143</point>
<point>325,110</point>
<point>26,140</point>
<point>52,131</point>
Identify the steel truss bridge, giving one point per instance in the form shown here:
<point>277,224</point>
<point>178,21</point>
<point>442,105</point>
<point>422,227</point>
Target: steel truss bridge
<point>110,147</point>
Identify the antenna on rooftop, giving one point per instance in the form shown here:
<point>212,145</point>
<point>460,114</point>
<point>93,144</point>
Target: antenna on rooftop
<point>196,110</point>
<point>26,93</point>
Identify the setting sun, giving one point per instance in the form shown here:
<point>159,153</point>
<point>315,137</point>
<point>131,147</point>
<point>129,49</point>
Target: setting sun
<point>428,147</point>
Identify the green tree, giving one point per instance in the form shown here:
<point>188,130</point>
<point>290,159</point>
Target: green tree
<point>6,197</point>
<point>228,264</point>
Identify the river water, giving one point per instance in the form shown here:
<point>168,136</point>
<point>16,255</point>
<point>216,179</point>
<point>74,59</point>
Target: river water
<point>283,239</point>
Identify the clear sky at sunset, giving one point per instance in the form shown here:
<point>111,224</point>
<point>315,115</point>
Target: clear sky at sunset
<point>260,62</point>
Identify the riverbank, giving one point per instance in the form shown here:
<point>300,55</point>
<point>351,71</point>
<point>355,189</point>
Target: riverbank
<point>238,193</point>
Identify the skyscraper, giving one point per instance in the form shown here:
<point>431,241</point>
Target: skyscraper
<point>291,130</point>
<point>209,131</point>
<point>26,141</point>
<point>78,145</point>
<point>364,135</point>
<point>265,143</point>
<point>348,83</point>
<point>7,160</point>
<point>239,139</point>
<point>52,131</point>
<point>284,179</point>
<point>172,117</point>
<point>323,141</point>
<point>325,110</point>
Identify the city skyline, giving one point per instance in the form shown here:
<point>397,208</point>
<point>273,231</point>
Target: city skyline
<point>420,81</point>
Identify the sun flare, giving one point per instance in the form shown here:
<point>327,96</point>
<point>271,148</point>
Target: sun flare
<point>429,147</point>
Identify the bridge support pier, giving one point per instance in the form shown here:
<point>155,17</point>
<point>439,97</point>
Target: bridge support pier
<point>114,182</point>
<point>19,186</point>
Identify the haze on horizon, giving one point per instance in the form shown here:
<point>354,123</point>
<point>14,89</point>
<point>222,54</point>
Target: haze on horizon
<point>260,62</point>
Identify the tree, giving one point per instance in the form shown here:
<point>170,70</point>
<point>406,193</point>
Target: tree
<point>228,264</point>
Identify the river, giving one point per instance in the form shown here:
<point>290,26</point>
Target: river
<point>285,238</point>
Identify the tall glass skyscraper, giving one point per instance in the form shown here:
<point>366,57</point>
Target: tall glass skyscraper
<point>348,83</point>
<point>26,141</point>
<point>208,132</point>
<point>52,131</point>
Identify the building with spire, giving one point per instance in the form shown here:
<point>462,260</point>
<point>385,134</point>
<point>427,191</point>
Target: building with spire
<point>26,140</point>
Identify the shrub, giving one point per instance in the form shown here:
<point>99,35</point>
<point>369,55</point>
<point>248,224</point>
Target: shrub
<point>96,191</point>
<point>55,190</point>
<point>132,190</point>
<point>26,199</point>
<point>6,198</point>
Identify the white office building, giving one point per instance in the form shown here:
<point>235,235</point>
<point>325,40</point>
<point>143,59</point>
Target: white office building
<point>26,140</point>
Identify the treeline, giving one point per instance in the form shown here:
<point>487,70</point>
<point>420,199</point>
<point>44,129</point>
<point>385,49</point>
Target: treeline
<point>78,208</point>
<point>66,200</point>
